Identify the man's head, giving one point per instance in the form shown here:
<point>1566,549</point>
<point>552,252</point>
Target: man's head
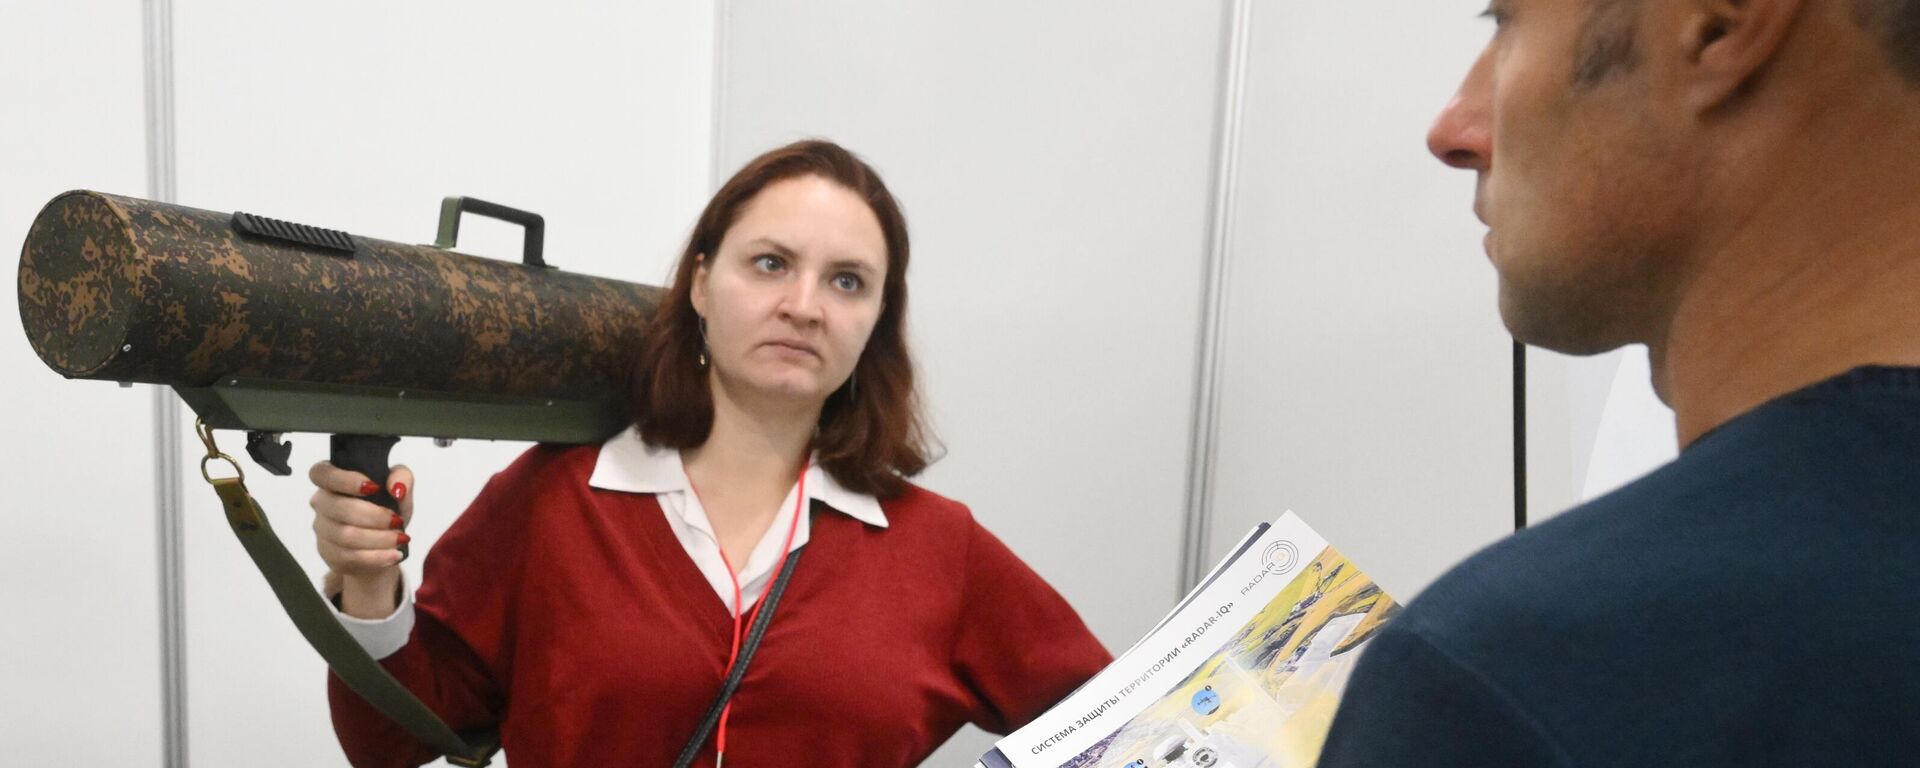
<point>1620,142</point>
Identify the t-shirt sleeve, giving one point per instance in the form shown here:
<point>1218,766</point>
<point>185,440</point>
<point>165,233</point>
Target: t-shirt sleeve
<point>1020,646</point>
<point>1409,703</point>
<point>457,654</point>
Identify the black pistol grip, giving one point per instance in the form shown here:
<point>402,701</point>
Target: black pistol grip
<point>368,455</point>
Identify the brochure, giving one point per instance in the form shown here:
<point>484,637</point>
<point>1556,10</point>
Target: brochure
<point>1245,672</point>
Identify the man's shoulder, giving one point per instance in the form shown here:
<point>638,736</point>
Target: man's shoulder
<point>1728,526</point>
<point>1699,552</point>
<point>1584,577</point>
<point>1723,583</point>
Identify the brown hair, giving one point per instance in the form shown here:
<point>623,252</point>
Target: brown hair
<point>871,432</point>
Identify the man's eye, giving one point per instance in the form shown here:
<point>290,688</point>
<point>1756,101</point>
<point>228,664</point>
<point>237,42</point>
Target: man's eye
<point>768,263</point>
<point>849,282</point>
<point>1498,12</point>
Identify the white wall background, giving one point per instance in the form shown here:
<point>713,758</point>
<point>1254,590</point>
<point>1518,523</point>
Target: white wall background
<point>1619,429</point>
<point>1058,164</point>
<point>1367,382</point>
<point>77,650</point>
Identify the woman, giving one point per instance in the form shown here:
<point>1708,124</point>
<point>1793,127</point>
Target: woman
<point>590,599</point>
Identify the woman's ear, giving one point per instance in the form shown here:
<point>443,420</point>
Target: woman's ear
<point>698,291</point>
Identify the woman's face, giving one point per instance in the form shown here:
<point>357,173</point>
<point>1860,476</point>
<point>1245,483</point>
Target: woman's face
<point>794,291</point>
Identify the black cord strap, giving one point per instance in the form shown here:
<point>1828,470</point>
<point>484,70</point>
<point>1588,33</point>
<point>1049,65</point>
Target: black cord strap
<point>747,647</point>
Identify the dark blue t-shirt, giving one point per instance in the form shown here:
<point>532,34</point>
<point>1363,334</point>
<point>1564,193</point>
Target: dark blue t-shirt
<point>1754,603</point>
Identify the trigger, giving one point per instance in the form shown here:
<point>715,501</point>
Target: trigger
<point>269,451</point>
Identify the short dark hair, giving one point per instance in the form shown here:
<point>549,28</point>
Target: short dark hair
<point>1605,46</point>
<point>1897,24</point>
<point>872,433</point>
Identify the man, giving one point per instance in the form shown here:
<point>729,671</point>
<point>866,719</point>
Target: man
<point>1736,184</point>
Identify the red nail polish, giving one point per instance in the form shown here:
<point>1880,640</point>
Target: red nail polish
<point>367,488</point>
<point>404,539</point>
<point>397,523</point>
<point>399,491</point>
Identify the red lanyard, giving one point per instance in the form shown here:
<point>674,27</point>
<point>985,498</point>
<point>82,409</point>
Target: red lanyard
<point>733,656</point>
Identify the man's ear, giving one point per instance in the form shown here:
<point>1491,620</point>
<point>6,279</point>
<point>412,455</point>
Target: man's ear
<point>1729,43</point>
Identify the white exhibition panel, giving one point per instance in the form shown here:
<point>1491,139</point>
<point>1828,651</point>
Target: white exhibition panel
<point>1635,433</point>
<point>1055,164</point>
<point>1367,380</point>
<point>1595,425</point>
<point>361,118</point>
<point>77,583</point>
<point>1559,449</point>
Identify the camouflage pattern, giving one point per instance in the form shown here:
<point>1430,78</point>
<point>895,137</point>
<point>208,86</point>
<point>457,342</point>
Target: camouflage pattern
<point>134,290</point>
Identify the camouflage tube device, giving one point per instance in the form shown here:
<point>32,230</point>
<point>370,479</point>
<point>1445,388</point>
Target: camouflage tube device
<point>270,326</point>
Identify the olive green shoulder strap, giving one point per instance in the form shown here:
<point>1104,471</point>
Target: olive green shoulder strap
<point>316,621</point>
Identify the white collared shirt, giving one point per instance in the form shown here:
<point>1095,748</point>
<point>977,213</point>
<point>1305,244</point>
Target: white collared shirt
<point>628,465</point>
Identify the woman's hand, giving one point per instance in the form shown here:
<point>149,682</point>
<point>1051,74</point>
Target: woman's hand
<point>359,539</point>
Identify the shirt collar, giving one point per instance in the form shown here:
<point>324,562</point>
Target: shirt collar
<point>628,464</point>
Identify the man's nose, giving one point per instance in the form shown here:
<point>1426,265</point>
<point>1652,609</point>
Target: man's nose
<point>1462,135</point>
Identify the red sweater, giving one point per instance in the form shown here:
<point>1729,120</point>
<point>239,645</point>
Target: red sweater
<point>572,618</point>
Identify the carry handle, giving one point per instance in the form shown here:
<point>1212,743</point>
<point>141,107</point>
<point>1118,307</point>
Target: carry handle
<point>535,224</point>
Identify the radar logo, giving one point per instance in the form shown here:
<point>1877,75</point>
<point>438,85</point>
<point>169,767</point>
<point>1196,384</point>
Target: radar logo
<point>1280,556</point>
<point>1276,559</point>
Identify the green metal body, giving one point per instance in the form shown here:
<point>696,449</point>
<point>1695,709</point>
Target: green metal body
<point>285,406</point>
